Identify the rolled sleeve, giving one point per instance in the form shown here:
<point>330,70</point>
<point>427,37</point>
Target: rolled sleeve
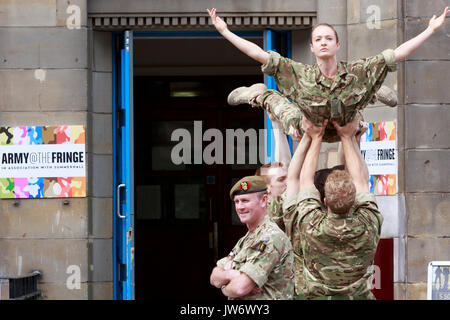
<point>308,202</point>
<point>363,197</point>
<point>271,67</point>
<point>389,58</point>
<point>289,202</point>
<point>293,204</point>
<point>292,201</point>
<point>308,193</point>
<point>255,272</point>
<point>260,264</point>
<point>366,205</point>
<point>222,262</point>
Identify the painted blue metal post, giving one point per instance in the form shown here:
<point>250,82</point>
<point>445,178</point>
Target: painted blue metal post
<point>270,83</point>
<point>270,44</point>
<point>123,176</point>
<point>128,167</point>
<point>289,55</point>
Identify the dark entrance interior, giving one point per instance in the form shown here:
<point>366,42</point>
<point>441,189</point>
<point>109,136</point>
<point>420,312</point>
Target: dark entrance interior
<point>184,218</point>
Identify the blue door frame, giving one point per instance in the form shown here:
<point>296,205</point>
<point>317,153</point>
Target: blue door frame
<point>278,41</point>
<point>123,149</point>
<point>123,162</point>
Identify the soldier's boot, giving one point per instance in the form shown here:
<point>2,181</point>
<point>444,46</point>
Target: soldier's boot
<point>243,95</point>
<point>387,96</point>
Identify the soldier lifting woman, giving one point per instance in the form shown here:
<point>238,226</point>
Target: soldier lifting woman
<point>327,92</point>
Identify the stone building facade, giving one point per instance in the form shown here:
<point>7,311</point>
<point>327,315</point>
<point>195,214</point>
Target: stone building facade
<point>56,67</point>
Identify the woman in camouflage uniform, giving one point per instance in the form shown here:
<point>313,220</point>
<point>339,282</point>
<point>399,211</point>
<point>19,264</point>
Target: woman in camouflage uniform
<point>326,90</point>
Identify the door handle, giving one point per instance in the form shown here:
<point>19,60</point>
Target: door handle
<point>214,235</point>
<point>118,200</point>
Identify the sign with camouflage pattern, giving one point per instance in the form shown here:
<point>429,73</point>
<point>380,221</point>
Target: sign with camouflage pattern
<point>379,149</point>
<point>438,287</point>
<point>42,162</point>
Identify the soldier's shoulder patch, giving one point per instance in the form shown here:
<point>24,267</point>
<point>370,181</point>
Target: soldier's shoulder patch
<point>263,243</point>
<point>262,246</point>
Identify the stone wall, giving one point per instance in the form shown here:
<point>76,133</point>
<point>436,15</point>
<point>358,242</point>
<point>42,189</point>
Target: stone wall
<point>45,76</point>
<point>426,145</point>
<point>102,181</point>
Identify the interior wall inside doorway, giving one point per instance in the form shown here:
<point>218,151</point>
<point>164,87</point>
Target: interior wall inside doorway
<point>192,56</point>
<point>176,245</point>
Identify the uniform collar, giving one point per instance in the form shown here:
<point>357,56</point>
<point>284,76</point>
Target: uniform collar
<point>260,224</point>
<point>321,79</point>
<point>336,216</point>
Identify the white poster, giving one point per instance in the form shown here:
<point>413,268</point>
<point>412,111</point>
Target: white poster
<point>42,162</point>
<point>379,149</point>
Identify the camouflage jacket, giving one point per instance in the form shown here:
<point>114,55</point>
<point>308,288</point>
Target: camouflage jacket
<point>265,255</point>
<point>338,250</point>
<point>276,213</point>
<point>352,88</point>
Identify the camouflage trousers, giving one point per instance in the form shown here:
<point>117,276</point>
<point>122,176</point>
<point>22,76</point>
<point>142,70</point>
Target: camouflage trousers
<point>289,114</point>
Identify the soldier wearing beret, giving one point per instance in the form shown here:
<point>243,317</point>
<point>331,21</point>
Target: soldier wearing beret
<point>260,266</point>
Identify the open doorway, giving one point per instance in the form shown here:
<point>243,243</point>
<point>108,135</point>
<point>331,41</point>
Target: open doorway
<point>184,218</point>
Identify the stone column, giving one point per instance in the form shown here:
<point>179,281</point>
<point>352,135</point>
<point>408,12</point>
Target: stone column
<point>101,211</point>
<point>427,154</point>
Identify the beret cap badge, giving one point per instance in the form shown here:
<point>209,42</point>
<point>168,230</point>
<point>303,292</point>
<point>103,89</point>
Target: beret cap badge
<point>247,185</point>
<point>244,186</point>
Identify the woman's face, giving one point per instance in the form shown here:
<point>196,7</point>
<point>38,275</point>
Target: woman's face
<point>324,43</point>
<point>277,183</point>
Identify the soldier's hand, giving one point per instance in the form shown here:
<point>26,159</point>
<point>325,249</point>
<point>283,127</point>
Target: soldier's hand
<point>230,265</point>
<point>348,130</point>
<point>231,274</point>
<point>294,133</point>
<point>363,130</point>
<point>313,131</point>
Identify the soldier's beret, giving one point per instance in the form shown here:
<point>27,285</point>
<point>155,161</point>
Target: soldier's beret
<point>249,184</point>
